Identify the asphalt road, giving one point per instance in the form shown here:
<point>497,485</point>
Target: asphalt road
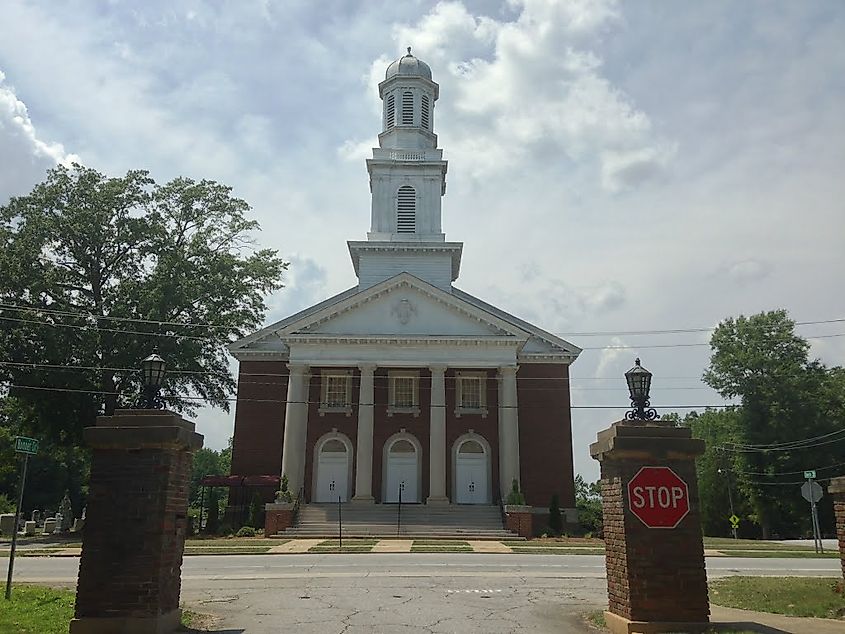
<point>399,593</point>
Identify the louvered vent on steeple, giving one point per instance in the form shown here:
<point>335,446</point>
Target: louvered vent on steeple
<point>406,210</point>
<point>424,113</point>
<point>391,112</point>
<point>407,108</point>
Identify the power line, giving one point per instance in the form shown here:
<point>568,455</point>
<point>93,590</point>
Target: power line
<point>309,402</point>
<point>783,473</point>
<point>788,444</point>
<point>796,448</point>
<point>596,333</point>
<point>210,338</point>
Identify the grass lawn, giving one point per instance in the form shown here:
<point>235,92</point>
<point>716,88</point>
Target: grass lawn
<point>226,550</point>
<point>349,546</point>
<point>793,596</point>
<point>43,610</point>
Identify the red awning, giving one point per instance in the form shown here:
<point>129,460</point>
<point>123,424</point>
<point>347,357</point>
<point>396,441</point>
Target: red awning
<point>240,481</point>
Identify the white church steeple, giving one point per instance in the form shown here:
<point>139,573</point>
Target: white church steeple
<point>407,182</point>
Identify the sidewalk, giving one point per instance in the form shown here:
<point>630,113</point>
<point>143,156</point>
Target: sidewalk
<point>777,622</point>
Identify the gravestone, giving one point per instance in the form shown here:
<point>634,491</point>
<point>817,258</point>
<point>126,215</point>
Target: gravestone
<point>29,528</point>
<point>36,517</point>
<point>136,523</point>
<point>7,523</point>
<point>49,526</point>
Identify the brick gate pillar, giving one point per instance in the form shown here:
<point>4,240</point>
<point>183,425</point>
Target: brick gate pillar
<point>837,490</point>
<point>136,523</point>
<point>656,581</point>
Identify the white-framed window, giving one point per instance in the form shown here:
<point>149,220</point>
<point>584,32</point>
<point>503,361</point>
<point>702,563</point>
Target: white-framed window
<point>403,392</point>
<point>336,392</point>
<point>470,393</point>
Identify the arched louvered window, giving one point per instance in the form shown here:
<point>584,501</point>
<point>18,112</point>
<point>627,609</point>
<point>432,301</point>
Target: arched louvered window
<point>424,113</point>
<point>407,108</point>
<point>406,210</point>
<point>391,111</point>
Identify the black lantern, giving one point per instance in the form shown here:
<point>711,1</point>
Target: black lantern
<point>639,384</point>
<point>152,373</point>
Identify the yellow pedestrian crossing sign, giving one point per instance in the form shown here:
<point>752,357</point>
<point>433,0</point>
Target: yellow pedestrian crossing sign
<point>734,520</point>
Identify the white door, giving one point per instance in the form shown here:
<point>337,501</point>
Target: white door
<point>471,484</point>
<point>332,472</point>
<point>402,470</point>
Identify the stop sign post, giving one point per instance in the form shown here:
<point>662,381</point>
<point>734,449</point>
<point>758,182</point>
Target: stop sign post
<point>658,497</point>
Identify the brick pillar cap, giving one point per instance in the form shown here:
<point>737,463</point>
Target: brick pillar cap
<point>624,440</point>
<point>142,437</point>
<point>837,485</point>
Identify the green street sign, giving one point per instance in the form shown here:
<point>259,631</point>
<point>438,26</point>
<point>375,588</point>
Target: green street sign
<point>810,475</point>
<point>734,521</point>
<point>26,445</point>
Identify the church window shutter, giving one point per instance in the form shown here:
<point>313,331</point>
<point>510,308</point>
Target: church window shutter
<point>424,113</point>
<point>406,210</point>
<point>407,108</point>
<point>391,111</point>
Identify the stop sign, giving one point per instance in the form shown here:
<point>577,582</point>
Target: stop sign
<point>658,497</point>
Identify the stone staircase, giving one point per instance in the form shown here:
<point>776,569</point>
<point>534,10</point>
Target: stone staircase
<point>418,521</point>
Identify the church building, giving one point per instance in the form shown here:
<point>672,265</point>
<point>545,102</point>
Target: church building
<point>405,385</point>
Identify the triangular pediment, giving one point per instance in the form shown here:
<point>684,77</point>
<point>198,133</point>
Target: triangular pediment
<point>403,306</point>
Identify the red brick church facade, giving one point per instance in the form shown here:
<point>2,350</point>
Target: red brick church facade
<point>405,384</point>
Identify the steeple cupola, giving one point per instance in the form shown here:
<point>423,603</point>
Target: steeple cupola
<point>408,95</point>
<point>407,182</point>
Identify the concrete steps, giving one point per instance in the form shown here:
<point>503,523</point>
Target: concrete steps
<point>418,521</point>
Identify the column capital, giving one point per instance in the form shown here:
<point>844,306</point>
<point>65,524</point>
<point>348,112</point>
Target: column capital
<point>298,368</point>
<point>367,368</point>
<point>507,370</point>
<point>437,367</point>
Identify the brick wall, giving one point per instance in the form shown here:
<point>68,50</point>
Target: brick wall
<point>259,425</point>
<point>545,434</point>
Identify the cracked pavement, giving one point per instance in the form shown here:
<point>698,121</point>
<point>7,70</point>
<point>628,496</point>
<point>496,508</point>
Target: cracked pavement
<point>400,605</point>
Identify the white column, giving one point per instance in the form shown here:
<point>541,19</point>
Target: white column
<point>437,437</point>
<point>364,454</point>
<point>508,430</point>
<point>296,427</point>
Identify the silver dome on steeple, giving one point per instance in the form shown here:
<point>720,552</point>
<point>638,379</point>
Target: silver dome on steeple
<point>408,65</point>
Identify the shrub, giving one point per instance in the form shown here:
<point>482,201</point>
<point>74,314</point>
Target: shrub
<point>256,512</point>
<point>284,494</point>
<point>555,517</point>
<point>6,505</point>
<point>246,531</point>
<point>515,497</point>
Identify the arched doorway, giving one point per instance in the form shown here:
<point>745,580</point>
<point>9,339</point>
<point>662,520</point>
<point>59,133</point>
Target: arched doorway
<point>472,471</point>
<point>402,470</point>
<point>332,462</point>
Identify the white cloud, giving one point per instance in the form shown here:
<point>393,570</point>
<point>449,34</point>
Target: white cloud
<point>24,155</point>
<point>529,88</point>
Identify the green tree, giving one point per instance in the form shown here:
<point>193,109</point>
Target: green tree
<point>786,398</point>
<point>588,505</point>
<point>97,271</point>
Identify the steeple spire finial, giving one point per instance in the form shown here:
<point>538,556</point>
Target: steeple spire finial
<point>409,50</point>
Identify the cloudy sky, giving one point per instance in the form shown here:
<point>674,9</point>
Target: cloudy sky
<point>613,167</point>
